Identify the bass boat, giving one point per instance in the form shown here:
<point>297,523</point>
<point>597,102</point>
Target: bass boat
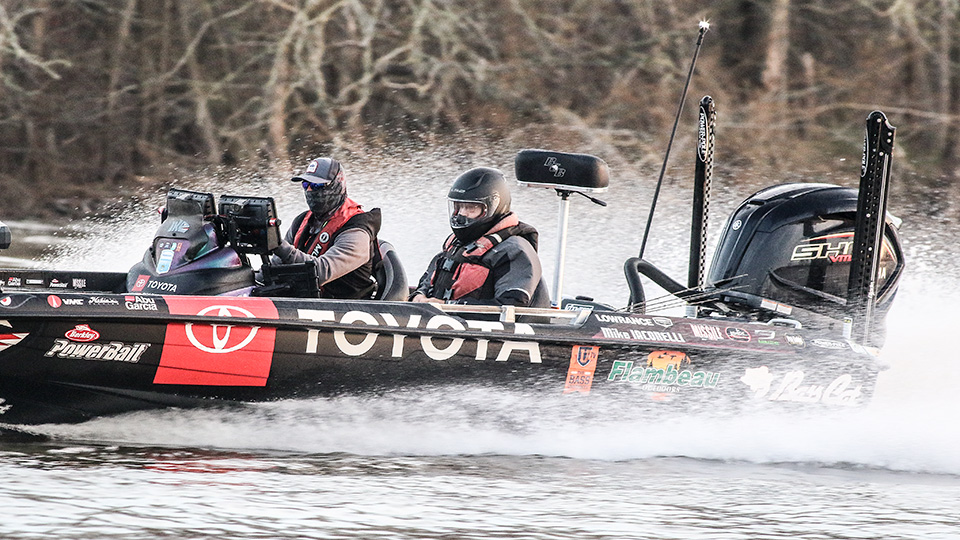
<point>790,314</point>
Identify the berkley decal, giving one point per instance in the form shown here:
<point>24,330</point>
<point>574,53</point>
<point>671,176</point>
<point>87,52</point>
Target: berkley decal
<point>114,350</point>
<point>426,342</point>
<point>217,354</point>
<point>583,363</point>
<point>54,301</point>
<point>840,391</point>
<point>82,333</point>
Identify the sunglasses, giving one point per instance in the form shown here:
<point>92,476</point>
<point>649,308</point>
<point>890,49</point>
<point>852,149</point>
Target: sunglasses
<point>313,185</point>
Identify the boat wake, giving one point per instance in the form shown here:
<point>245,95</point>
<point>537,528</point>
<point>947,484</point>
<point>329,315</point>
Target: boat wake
<point>909,426</point>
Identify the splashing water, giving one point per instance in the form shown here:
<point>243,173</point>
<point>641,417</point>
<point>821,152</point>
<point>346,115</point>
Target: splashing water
<point>910,425</point>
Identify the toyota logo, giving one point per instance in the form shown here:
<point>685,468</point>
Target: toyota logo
<point>219,340</point>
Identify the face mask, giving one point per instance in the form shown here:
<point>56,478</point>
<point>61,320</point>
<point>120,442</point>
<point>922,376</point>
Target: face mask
<point>326,200</point>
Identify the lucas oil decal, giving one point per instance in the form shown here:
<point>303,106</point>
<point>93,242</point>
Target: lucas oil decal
<point>217,354</point>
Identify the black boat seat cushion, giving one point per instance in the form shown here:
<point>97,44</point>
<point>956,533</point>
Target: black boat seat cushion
<point>391,279</point>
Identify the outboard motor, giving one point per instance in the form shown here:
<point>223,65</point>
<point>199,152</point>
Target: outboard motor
<point>786,252</point>
<point>190,253</point>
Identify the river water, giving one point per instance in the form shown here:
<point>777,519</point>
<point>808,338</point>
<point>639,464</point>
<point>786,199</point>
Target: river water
<point>501,465</point>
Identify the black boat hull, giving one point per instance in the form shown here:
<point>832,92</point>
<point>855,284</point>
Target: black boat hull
<point>68,357</point>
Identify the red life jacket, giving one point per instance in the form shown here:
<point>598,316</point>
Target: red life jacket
<point>460,271</point>
<point>360,282</point>
<point>316,245</point>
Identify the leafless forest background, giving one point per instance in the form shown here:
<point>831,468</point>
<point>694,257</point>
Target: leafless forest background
<point>97,96</point>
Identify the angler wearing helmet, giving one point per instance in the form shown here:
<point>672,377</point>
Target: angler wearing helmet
<point>334,232</point>
<point>491,257</point>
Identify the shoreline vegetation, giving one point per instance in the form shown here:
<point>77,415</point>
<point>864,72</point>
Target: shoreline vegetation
<point>104,99</point>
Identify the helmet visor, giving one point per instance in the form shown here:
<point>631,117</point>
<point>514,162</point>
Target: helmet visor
<point>466,213</point>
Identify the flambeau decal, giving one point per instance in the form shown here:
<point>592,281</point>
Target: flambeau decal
<point>217,354</point>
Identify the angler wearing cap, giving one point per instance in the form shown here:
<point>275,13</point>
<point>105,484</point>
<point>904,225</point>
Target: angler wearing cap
<point>491,257</point>
<point>334,232</point>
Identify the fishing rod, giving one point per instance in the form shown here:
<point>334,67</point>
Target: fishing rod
<point>704,26</point>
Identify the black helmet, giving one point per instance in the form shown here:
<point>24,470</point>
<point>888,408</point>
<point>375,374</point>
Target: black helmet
<point>484,187</point>
<point>791,246</point>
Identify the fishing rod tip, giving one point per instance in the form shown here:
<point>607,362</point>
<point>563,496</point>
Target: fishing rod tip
<point>704,26</point>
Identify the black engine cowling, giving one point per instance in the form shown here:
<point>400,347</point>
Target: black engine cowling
<point>789,247</point>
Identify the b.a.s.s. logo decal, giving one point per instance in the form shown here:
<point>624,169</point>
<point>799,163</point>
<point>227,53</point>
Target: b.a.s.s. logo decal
<point>217,354</point>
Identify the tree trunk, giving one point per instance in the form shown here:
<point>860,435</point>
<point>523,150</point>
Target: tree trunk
<point>778,47</point>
